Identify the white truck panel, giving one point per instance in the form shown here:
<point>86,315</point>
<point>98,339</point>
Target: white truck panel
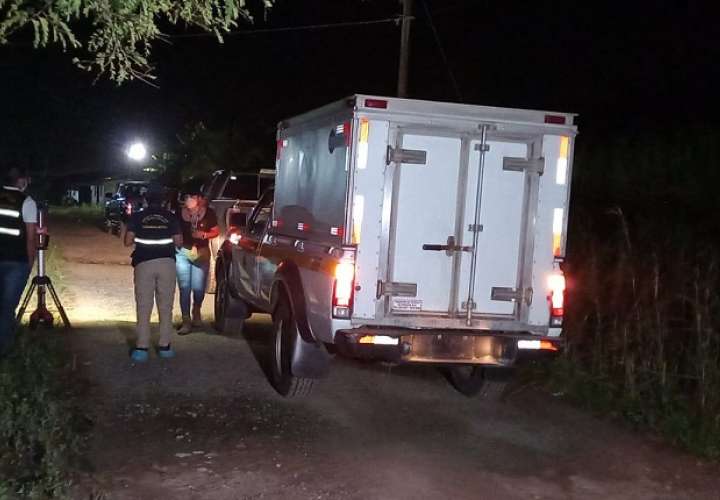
<point>501,216</point>
<point>551,196</point>
<point>368,214</point>
<point>425,202</point>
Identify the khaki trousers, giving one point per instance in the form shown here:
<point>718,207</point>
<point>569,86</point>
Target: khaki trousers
<point>154,282</point>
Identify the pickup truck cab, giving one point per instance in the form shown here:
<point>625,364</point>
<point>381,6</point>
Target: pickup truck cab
<point>411,232</point>
<point>232,195</point>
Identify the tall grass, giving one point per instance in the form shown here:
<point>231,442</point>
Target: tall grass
<point>89,214</point>
<point>39,422</point>
<point>643,326</point>
<point>41,425</point>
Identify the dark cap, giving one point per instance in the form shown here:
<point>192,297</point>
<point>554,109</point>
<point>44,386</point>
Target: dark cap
<point>16,173</point>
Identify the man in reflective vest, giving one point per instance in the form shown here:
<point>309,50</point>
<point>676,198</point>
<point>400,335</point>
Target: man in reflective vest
<point>155,232</point>
<point>18,243</point>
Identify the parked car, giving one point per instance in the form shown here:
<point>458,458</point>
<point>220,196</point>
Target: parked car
<point>407,231</point>
<point>129,198</point>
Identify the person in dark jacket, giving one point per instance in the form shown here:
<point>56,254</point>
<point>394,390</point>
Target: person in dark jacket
<point>156,234</point>
<point>18,243</point>
<point>199,225</point>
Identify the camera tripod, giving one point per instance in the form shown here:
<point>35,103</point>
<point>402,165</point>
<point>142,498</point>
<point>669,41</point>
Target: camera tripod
<point>41,316</point>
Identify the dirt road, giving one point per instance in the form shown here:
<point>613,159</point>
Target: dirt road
<point>208,425</point>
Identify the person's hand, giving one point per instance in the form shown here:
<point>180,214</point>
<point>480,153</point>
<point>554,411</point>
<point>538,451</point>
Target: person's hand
<point>41,230</point>
<point>198,235</point>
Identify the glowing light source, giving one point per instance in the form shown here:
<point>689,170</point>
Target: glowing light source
<point>137,151</point>
<point>537,345</point>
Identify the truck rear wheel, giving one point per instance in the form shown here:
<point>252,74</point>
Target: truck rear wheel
<point>285,335</point>
<point>472,380</point>
<point>225,303</point>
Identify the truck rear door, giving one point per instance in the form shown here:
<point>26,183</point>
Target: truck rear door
<point>439,179</point>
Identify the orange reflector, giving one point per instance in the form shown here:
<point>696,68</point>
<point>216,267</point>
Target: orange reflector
<point>547,345</point>
<point>357,217</point>
<point>564,146</point>
<point>557,228</point>
<point>557,244</point>
<point>364,130</point>
<point>562,161</point>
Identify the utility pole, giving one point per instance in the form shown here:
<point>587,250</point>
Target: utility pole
<point>404,48</point>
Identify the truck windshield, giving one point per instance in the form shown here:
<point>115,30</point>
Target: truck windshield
<point>242,187</point>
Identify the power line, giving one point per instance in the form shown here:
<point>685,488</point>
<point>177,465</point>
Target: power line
<point>455,85</point>
<point>308,27</point>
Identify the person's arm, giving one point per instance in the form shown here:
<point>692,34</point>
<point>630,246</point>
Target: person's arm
<point>210,233</point>
<point>129,239</point>
<point>31,242</point>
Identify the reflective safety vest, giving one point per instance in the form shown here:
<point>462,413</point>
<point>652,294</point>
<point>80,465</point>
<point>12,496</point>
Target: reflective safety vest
<point>154,228</point>
<point>13,246</point>
<point>156,241</point>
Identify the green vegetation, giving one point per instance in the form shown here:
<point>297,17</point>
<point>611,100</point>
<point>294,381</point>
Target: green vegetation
<point>41,427</point>
<point>643,322</point>
<point>119,34</point>
<point>39,423</point>
<point>89,214</point>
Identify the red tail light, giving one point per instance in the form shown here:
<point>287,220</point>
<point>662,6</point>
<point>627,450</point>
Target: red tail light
<point>344,289</point>
<point>556,298</point>
<point>555,119</point>
<point>376,103</point>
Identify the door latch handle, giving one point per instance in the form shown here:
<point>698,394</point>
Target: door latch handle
<point>450,248</point>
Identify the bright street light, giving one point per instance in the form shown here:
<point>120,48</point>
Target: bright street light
<point>137,151</point>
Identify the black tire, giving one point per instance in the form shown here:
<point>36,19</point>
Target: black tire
<point>224,302</point>
<point>285,335</point>
<point>472,380</point>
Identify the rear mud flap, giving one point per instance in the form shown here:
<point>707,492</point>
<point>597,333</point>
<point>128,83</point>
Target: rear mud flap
<point>236,308</point>
<point>310,359</point>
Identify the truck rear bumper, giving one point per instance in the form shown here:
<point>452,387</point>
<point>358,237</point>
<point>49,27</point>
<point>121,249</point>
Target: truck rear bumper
<point>445,346</point>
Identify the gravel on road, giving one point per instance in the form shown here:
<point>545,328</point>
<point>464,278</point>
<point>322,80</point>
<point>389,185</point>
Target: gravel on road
<point>208,425</point>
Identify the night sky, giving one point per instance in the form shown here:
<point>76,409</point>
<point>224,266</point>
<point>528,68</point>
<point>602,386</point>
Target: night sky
<point>624,66</point>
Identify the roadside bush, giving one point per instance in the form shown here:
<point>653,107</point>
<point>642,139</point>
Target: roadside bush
<point>39,424</point>
<point>643,326</point>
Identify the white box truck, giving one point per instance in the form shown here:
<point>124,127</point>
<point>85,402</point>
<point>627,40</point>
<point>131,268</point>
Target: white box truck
<point>408,231</point>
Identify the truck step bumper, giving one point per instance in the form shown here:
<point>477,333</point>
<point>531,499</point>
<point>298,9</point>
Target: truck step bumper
<point>445,347</point>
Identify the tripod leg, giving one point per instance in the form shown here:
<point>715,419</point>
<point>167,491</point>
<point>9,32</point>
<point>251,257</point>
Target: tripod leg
<point>26,301</point>
<point>59,306</point>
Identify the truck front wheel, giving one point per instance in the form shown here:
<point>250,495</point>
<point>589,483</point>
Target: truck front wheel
<point>471,380</point>
<point>285,336</point>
